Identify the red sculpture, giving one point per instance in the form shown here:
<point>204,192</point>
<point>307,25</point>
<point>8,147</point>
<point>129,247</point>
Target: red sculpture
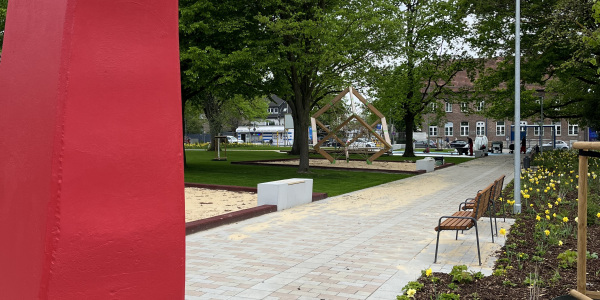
<point>91,175</point>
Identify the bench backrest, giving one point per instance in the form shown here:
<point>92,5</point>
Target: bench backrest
<point>499,183</point>
<point>483,200</point>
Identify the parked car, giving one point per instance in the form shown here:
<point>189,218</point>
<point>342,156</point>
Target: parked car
<point>361,143</point>
<point>423,144</point>
<point>232,140</point>
<point>332,143</point>
<point>561,145</point>
<point>458,144</point>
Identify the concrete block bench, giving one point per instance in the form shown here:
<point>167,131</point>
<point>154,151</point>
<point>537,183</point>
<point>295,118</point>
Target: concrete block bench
<point>427,164</point>
<point>285,193</point>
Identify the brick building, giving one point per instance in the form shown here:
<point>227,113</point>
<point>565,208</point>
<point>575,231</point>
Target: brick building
<point>463,120</point>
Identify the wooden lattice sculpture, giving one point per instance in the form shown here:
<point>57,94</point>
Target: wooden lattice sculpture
<point>333,133</point>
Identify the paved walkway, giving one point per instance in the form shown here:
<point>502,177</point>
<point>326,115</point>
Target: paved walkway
<point>363,245</point>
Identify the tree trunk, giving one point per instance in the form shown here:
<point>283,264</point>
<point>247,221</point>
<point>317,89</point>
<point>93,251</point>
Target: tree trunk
<point>301,123</point>
<point>212,111</point>
<point>296,141</point>
<point>409,123</point>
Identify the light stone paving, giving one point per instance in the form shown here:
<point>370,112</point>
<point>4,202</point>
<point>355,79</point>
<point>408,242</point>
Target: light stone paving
<point>363,245</point>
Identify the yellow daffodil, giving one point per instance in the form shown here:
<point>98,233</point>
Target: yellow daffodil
<point>558,199</point>
<point>547,232</point>
<point>538,217</point>
<point>547,217</point>
<point>565,219</point>
<point>549,205</point>
<point>560,243</point>
<point>411,293</point>
<point>547,212</point>
<point>502,231</point>
<point>576,220</point>
<point>428,272</point>
<point>598,215</point>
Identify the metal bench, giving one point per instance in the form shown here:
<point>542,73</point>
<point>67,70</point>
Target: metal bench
<point>465,220</point>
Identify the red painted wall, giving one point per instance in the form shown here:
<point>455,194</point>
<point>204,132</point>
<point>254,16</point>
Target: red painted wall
<point>91,177</point>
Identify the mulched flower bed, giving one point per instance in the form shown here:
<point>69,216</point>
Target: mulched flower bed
<point>536,262</point>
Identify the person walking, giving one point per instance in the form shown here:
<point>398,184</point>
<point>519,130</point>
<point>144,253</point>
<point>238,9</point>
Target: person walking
<point>470,141</point>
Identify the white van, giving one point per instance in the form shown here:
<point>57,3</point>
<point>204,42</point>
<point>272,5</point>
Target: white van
<point>480,141</point>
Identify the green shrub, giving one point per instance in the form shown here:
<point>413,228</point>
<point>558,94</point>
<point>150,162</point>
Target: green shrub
<point>567,259</point>
<point>460,274</point>
<point>415,285</point>
<point>448,296</point>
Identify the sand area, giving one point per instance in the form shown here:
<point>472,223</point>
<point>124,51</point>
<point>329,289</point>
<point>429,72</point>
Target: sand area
<point>205,203</point>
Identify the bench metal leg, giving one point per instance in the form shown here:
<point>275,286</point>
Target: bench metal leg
<point>457,235</point>
<point>477,236</point>
<point>436,246</point>
<point>491,228</point>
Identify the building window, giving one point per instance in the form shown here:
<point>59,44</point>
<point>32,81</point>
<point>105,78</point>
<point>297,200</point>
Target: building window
<point>433,106</point>
<point>449,129</point>
<point>523,124</point>
<point>464,128</point>
<point>273,110</point>
<point>448,107</point>
<point>463,107</point>
<point>480,105</point>
<point>433,130</point>
<point>480,128</point>
<point>573,129</point>
<point>500,130</point>
<point>557,128</point>
<point>536,131</point>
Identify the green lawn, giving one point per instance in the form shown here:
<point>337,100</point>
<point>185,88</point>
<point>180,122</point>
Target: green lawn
<point>202,169</point>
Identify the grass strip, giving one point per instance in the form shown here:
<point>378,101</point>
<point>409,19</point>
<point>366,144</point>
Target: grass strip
<point>202,169</point>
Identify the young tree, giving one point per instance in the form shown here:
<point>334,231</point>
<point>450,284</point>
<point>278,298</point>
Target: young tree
<point>428,57</point>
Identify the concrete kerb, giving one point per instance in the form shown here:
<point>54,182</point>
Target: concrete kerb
<point>244,214</point>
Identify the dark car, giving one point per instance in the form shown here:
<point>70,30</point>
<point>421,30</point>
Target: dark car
<point>458,144</point>
<point>423,144</point>
<point>332,143</point>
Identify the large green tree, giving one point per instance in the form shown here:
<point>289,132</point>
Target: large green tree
<point>557,65</point>
<point>428,57</point>
<point>217,48</point>
<point>314,48</point>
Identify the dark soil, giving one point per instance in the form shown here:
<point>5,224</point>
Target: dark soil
<point>511,283</point>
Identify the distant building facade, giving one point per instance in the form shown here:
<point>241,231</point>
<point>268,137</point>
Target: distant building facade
<point>463,120</point>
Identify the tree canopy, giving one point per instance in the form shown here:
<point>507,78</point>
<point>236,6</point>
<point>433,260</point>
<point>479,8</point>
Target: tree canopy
<point>557,63</point>
<point>428,56</point>
<point>316,48</point>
